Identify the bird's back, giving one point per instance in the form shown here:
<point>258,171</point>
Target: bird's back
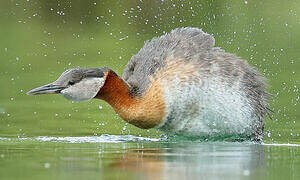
<point>184,43</point>
<point>189,55</point>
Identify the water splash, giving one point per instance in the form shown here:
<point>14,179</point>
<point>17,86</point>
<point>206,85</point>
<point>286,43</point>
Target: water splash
<point>104,138</point>
<point>286,144</point>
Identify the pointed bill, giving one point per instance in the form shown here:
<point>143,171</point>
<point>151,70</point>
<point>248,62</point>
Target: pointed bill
<point>46,89</point>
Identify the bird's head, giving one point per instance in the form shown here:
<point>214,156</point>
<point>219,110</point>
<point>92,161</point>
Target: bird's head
<point>78,84</point>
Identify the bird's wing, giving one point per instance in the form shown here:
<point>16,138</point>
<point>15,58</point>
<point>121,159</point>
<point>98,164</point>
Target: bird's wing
<point>182,43</point>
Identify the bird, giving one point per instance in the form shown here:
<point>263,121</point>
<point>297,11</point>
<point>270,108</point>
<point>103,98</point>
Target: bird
<point>179,83</point>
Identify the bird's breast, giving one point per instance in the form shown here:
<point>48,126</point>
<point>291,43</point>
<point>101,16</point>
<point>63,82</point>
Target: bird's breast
<point>199,105</point>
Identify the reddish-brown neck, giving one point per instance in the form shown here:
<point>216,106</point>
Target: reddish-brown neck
<point>115,91</point>
<point>144,112</point>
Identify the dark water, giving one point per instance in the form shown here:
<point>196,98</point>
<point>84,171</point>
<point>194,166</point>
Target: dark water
<point>129,157</point>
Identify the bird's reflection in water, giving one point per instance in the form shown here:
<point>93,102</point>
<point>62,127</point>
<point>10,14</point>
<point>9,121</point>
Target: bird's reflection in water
<point>192,160</point>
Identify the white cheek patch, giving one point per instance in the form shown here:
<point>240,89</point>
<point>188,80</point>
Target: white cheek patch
<point>84,90</point>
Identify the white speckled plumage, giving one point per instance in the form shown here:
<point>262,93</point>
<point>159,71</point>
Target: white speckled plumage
<point>206,108</point>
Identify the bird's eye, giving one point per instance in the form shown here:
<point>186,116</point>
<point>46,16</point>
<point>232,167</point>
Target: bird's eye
<point>71,83</point>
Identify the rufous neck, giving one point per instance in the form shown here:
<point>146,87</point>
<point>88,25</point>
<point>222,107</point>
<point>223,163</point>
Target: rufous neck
<point>115,91</point>
<point>144,112</point>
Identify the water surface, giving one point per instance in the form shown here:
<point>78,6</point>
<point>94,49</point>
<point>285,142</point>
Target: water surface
<point>130,157</point>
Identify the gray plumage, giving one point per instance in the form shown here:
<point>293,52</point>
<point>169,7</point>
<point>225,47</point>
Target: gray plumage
<point>75,75</point>
<point>197,47</point>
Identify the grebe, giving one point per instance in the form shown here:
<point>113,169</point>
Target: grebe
<point>178,83</point>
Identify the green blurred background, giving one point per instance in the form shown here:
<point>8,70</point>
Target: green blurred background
<point>41,39</point>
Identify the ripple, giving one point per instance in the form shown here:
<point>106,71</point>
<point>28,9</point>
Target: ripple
<point>286,144</point>
<point>104,138</point>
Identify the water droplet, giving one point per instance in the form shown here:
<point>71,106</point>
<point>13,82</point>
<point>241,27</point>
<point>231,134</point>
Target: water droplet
<point>47,165</point>
<point>246,172</point>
